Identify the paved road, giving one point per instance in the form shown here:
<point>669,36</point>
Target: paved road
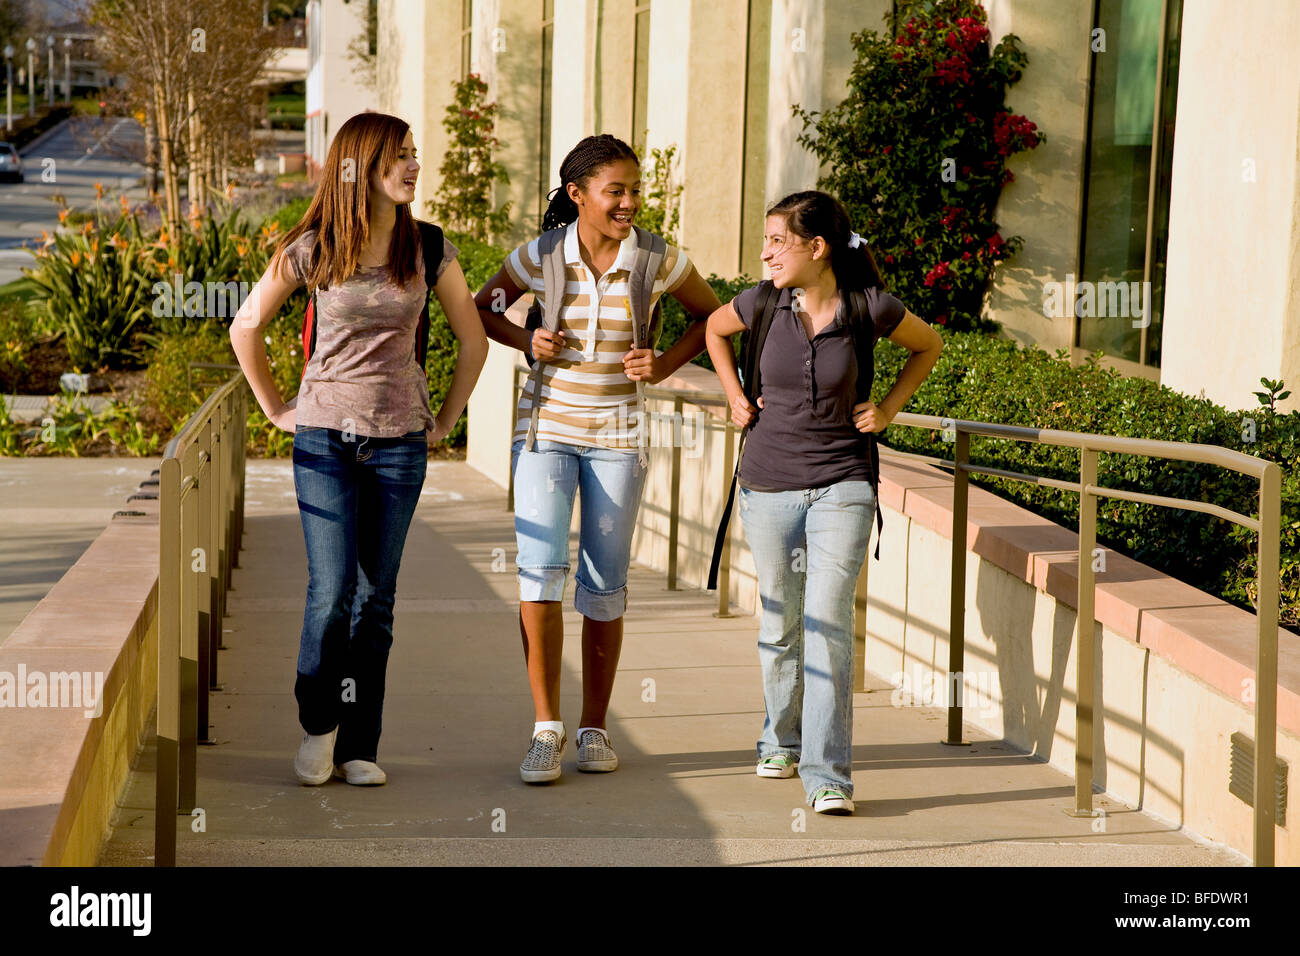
<point>687,708</point>
<point>77,154</point>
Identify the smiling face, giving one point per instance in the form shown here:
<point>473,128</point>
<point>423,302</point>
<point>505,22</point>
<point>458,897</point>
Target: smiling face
<point>792,261</point>
<point>611,198</point>
<point>398,186</point>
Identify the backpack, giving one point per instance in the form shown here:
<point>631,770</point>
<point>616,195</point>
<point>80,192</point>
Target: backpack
<point>431,247</point>
<point>646,323</point>
<point>751,349</point>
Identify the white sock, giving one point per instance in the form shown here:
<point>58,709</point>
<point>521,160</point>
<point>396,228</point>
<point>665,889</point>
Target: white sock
<point>555,725</point>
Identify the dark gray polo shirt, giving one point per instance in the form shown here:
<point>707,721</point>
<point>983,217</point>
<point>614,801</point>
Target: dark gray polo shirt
<point>804,435</point>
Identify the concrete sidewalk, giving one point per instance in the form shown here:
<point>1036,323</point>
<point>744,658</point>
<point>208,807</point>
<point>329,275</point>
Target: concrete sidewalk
<point>687,709</point>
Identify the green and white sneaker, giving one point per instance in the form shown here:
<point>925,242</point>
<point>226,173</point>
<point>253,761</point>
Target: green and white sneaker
<point>595,755</point>
<point>542,762</point>
<point>777,765</point>
<point>830,800</point>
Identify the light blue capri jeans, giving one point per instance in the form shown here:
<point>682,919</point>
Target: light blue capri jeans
<point>546,480</point>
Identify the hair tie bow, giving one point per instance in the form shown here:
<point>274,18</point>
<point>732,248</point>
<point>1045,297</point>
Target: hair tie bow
<point>855,240</point>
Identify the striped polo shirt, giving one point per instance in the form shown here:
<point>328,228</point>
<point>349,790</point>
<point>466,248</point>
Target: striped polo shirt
<point>586,398</point>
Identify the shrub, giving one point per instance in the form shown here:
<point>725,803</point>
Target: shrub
<point>917,153</point>
<point>469,173</point>
<point>983,378</point>
<point>675,320</point>
<point>92,286</point>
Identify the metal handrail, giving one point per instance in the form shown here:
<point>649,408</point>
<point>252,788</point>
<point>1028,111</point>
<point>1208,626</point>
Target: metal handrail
<point>1267,526</point>
<point>201,523</point>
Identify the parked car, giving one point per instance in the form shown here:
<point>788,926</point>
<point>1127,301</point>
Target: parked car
<point>11,165</point>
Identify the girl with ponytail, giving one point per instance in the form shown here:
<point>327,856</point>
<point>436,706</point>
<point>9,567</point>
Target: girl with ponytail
<point>806,483</point>
<point>585,438</point>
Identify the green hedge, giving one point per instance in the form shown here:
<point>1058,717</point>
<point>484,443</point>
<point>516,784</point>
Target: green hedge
<point>982,378</point>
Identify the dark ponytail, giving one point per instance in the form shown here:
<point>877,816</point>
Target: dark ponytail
<point>583,162</point>
<point>814,213</point>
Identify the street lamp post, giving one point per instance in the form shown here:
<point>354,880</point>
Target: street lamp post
<point>67,69</point>
<point>49,75</point>
<point>9,87</point>
<point>31,77</point>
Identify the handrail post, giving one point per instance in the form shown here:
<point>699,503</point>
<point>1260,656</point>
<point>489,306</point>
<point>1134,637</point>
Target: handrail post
<point>189,663</point>
<point>724,564</point>
<point>956,683</point>
<point>169,653</point>
<point>1270,519</point>
<point>201,569</point>
<point>1085,646</point>
<point>675,494</point>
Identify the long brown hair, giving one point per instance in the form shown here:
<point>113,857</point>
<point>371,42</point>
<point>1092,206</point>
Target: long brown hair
<point>340,210</point>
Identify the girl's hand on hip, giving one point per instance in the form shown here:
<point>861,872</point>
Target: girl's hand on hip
<point>438,432</point>
<point>743,414</point>
<point>870,417</point>
<point>285,418</point>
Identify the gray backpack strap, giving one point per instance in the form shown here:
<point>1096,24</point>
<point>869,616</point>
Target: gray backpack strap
<point>650,250</point>
<point>550,250</point>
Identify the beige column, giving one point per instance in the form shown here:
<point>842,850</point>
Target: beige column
<point>1232,302</point>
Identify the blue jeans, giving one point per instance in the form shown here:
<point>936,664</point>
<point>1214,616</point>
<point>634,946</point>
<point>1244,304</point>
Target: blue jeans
<point>808,548</point>
<point>356,499</point>
<point>546,481</point>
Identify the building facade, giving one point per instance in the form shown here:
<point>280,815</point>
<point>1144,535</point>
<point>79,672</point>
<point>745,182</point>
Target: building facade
<point>1170,165</point>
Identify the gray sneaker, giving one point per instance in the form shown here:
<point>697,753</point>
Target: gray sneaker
<point>595,755</point>
<point>542,763</point>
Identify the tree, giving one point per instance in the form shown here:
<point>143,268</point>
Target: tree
<point>469,173</point>
<point>917,152</point>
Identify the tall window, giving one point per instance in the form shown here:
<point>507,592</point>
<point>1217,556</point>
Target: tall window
<point>466,37</point>
<point>544,143</point>
<point>1124,237</point>
<point>640,76</point>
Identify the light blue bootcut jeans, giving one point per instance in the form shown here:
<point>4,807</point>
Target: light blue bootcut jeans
<point>356,499</point>
<point>547,479</point>
<point>808,548</point>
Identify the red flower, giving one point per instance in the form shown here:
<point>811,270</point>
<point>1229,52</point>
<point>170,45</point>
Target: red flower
<point>918,240</point>
<point>966,255</point>
<point>887,150</point>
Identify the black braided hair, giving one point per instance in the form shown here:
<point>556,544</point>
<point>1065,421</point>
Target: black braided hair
<point>582,162</point>
<point>815,213</point>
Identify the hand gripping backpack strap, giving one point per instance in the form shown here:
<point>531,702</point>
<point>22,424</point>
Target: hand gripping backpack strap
<point>650,251</point>
<point>751,349</point>
<point>550,250</point>
<point>864,341</point>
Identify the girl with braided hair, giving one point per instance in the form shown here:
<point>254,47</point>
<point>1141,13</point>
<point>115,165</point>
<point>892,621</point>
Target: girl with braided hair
<point>583,439</point>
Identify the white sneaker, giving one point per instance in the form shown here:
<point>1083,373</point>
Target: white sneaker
<point>595,755</point>
<point>315,760</point>
<point>830,800</point>
<point>777,765</point>
<point>361,773</point>
<point>542,762</point>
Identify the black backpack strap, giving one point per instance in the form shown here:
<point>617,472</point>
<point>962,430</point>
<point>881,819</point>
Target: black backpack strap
<point>431,248</point>
<point>751,348</point>
<point>864,345</point>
